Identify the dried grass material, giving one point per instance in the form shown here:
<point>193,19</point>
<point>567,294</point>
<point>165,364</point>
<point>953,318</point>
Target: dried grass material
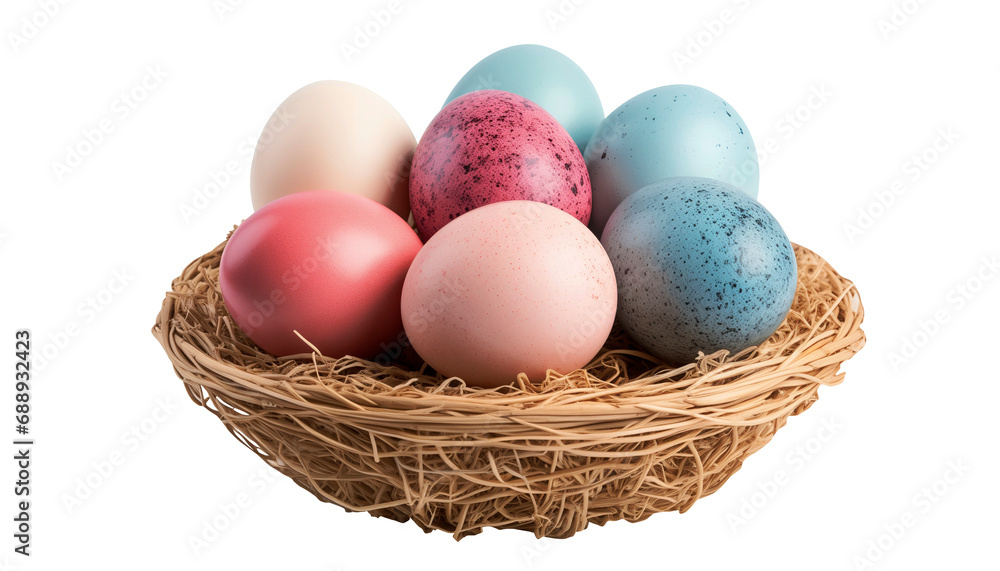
<point>623,439</point>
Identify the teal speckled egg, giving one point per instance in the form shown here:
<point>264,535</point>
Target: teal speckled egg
<point>669,131</point>
<point>700,266</point>
<point>544,76</point>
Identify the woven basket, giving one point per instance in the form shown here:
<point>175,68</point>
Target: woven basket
<point>623,438</point>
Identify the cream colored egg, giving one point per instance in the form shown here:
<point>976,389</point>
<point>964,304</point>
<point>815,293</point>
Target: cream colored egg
<point>334,135</point>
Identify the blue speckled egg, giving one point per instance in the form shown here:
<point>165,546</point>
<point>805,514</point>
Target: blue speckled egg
<point>546,77</point>
<point>669,131</point>
<point>700,266</point>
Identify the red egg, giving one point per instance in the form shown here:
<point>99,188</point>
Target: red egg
<point>492,146</point>
<point>329,265</point>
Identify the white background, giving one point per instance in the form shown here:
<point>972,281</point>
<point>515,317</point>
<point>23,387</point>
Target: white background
<point>900,421</point>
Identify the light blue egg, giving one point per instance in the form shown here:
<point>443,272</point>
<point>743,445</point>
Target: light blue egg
<point>544,76</point>
<point>669,131</point>
<point>700,266</point>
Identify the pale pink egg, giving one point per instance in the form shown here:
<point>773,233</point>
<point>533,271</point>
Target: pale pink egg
<point>511,287</point>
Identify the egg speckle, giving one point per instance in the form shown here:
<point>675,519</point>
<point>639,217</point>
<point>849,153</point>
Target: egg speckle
<point>700,266</point>
<point>668,131</point>
<point>547,78</point>
<point>493,146</point>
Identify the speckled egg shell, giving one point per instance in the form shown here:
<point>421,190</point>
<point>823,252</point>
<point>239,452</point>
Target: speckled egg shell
<point>547,78</point>
<point>700,266</point>
<point>669,131</point>
<point>492,146</point>
<point>512,287</point>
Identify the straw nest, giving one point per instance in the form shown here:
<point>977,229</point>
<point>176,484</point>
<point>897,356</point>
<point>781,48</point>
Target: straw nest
<point>624,438</point>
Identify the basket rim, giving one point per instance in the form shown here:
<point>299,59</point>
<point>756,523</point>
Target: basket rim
<point>621,439</point>
<point>712,381</point>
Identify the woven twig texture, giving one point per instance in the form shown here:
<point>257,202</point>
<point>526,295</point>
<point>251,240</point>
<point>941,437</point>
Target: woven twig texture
<point>624,438</point>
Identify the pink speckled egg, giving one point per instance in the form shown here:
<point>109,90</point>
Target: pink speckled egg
<point>491,146</point>
<point>512,287</point>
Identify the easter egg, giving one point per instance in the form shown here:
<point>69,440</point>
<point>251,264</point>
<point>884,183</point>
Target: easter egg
<point>669,131</point>
<point>512,287</point>
<point>700,266</point>
<point>329,265</point>
<point>544,76</point>
<point>334,135</point>
<point>492,146</point>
